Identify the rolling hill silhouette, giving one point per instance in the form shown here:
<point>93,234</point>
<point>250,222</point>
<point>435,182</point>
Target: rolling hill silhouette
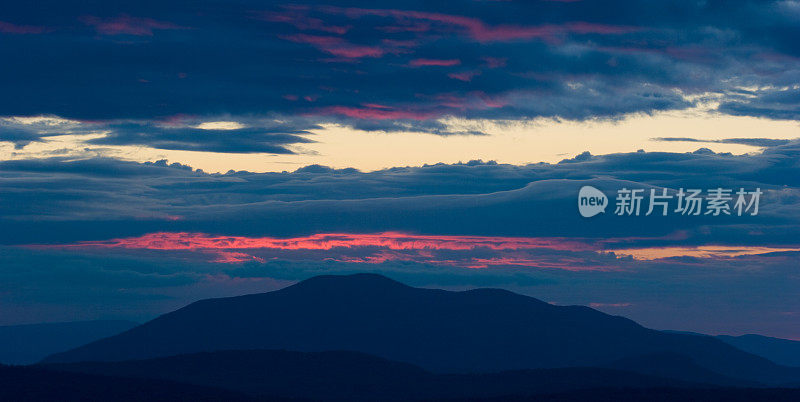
<point>480,330</point>
<point>26,344</point>
<point>339,375</point>
<point>781,351</point>
<point>263,375</point>
<point>33,384</point>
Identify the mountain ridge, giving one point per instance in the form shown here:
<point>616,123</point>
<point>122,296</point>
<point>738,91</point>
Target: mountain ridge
<point>343,375</point>
<point>442,331</point>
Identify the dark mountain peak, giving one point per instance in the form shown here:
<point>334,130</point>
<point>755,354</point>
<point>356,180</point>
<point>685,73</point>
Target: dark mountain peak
<point>379,284</point>
<point>443,331</point>
<point>353,281</point>
<point>346,286</point>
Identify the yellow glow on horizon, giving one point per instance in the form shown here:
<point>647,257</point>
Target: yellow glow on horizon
<point>699,251</point>
<point>514,142</point>
<point>220,125</point>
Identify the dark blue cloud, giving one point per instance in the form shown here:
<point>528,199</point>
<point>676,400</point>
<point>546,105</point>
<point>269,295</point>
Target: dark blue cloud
<point>756,142</point>
<point>21,134</point>
<point>19,137</point>
<point>773,103</point>
<point>62,201</point>
<point>243,140</point>
<point>393,65</point>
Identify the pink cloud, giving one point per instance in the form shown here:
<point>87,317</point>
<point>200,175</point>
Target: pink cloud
<point>479,30</point>
<point>127,25</point>
<point>465,76</point>
<point>495,62</point>
<point>373,112</point>
<point>9,28</point>
<point>328,241</point>
<point>407,27</point>
<point>477,100</point>
<point>338,46</point>
<point>476,252</point>
<point>232,257</point>
<point>434,62</point>
<point>376,248</point>
<point>297,17</point>
<point>491,101</point>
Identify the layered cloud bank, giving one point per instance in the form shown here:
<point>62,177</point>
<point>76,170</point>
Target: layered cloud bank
<point>62,201</point>
<point>147,73</point>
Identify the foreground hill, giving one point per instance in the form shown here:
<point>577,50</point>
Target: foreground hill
<point>26,344</point>
<point>356,376</point>
<point>480,330</point>
<point>655,395</point>
<point>30,384</point>
<point>250,376</point>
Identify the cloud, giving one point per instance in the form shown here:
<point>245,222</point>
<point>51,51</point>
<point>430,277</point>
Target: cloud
<point>22,131</point>
<point>580,60</point>
<point>756,142</point>
<point>19,136</point>
<point>151,74</point>
<point>572,254</point>
<point>127,25</point>
<point>296,16</point>
<point>65,201</point>
<point>272,139</point>
<point>275,136</point>
<point>434,62</point>
<point>9,28</point>
<point>477,29</point>
<point>377,112</point>
<point>458,251</point>
<point>338,46</point>
<point>777,103</point>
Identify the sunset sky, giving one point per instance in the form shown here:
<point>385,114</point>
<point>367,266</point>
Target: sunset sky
<point>160,152</point>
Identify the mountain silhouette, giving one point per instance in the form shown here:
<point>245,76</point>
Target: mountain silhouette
<point>26,344</point>
<point>481,330</point>
<point>678,367</point>
<point>340,375</point>
<point>781,351</point>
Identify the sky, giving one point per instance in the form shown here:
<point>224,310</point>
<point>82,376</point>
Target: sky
<point>157,153</point>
